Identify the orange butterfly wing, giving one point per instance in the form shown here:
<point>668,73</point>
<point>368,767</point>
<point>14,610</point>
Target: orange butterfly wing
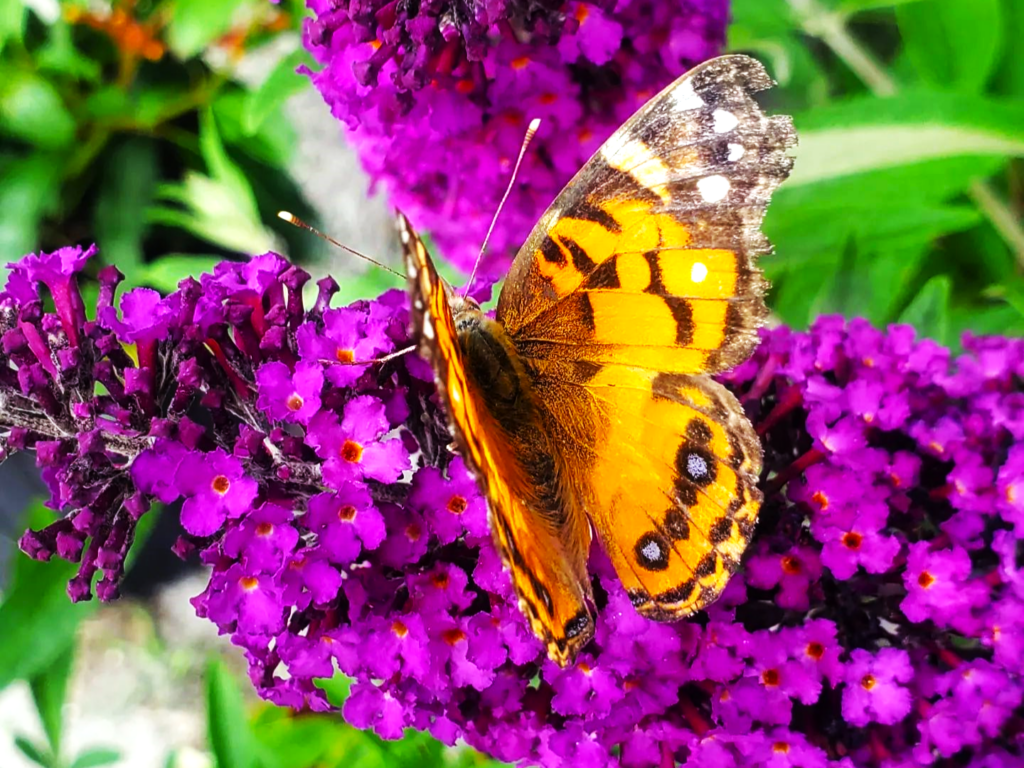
<point>542,539</point>
<point>639,280</point>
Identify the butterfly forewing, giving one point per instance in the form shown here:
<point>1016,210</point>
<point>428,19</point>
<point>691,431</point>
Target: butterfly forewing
<point>542,543</point>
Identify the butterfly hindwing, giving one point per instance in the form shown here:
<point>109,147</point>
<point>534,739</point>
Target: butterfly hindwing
<point>543,543</point>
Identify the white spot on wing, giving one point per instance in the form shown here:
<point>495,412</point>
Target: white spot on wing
<point>698,272</point>
<point>736,151</point>
<point>635,158</point>
<point>713,188</point>
<point>651,551</point>
<point>696,467</point>
<point>428,329</point>
<point>724,121</point>
<point>686,98</point>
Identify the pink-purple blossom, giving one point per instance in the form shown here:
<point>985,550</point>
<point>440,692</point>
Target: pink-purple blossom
<point>877,622</point>
<point>436,97</point>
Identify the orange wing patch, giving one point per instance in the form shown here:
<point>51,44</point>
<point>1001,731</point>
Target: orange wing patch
<point>673,489</point>
<point>547,562</point>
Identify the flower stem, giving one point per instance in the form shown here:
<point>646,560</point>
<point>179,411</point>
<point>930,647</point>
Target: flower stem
<point>830,28</point>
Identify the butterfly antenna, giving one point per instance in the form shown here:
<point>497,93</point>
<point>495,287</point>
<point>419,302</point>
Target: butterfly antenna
<point>295,220</point>
<point>530,131</point>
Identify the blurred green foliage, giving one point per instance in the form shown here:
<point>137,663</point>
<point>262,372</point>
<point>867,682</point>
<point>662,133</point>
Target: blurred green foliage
<point>122,123</point>
<point>907,199</point>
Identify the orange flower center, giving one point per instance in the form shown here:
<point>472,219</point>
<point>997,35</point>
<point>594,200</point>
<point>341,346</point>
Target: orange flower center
<point>815,650</point>
<point>347,514</point>
<point>868,682</point>
<point>465,87</point>
<point>770,677</point>
<point>413,532</point>
<point>781,747</point>
<point>264,529</point>
<point>457,505</point>
<point>520,63</point>
<point>221,484</point>
<point>790,565</point>
<point>294,402</point>
<point>249,583</point>
<point>399,629</point>
<point>344,355</point>
<point>925,579</point>
<point>439,580</point>
<point>821,500</point>
<point>453,636</point>
<point>352,451</point>
<point>852,540</point>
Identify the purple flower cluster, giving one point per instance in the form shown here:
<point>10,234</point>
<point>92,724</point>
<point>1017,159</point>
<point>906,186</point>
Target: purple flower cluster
<point>878,621</point>
<point>436,100</point>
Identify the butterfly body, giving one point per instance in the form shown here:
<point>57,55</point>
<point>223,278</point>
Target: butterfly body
<point>585,405</point>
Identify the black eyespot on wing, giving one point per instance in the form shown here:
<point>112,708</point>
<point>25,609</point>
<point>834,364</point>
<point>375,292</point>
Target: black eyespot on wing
<point>577,624</point>
<point>695,464</point>
<point>652,551</point>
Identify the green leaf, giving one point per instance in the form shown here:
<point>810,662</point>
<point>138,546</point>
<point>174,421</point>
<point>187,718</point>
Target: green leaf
<point>49,690</point>
<point>39,620</point>
<point>12,21</point>
<point>282,82</point>
<point>290,741</point>
<point>165,273</point>
<point>32,110</point>
<point>219,208</point>
<point>230,736</point>
<point>29,186</point>
<point>1009,78</point>
<point>953,44</point>
<point>801,232</point>
<point>336,688</point>
<point>272,143</point>
<point>870,134</point>
<point>929,311</point>
<point>197,23</point>
<point>126,191</point>
<point>95,757</point>
<point>33,752</point>
<point>850,7</point>
<point>60,56</point>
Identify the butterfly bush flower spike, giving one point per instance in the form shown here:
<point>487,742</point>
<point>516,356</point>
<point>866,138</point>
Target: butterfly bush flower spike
<point>465,79</point>
<point>877,622</point>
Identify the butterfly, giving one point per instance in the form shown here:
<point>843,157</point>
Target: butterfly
<point>586,403</point>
